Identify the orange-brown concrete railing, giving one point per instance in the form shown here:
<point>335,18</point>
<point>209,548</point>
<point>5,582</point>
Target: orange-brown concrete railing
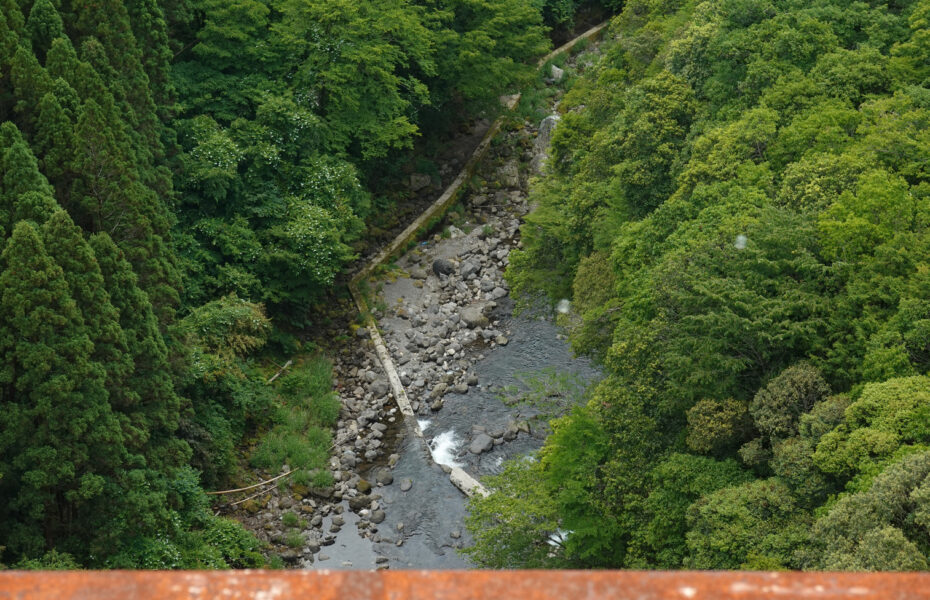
<point>459,585</point>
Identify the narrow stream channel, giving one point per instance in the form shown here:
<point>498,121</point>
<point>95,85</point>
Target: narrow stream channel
<point>424,526</point>
<point>448,327</point>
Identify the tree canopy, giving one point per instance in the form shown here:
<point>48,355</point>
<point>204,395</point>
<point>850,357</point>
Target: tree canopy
<point>182,181</point>
<point>736,201</point>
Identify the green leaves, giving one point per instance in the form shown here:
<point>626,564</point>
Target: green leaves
<point>737,198</point>
<point>875,529</point>
<point>885,417</point>
<point>748,526</point>
<point>61,438</point>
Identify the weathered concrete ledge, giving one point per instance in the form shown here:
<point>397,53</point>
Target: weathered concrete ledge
<point>591,34</point>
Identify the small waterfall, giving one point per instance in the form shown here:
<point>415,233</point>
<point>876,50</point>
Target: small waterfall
<point>443,448</point>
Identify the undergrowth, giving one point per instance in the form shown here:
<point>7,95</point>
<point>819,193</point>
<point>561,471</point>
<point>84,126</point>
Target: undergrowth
<point>300,436</point>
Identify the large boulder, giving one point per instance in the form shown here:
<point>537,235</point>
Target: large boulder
<point>481,443</point>
<point>473,315</point>
<point>470,267</point>
<point>442,266</point>
<point>359,502</point>
<point>543,138</point>
<point>384,476</point>
<point>509,175</point>
<point>418,181</point>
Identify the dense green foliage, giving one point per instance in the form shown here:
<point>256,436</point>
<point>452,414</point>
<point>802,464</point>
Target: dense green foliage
<point>737,203</point>
<point>178,178</point>
<point>287,107</point>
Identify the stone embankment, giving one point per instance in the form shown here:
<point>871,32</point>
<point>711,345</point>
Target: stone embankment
<point>419,343</point>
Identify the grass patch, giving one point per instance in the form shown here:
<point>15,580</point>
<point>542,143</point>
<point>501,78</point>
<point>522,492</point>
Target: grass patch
<point>534,103</point>
<point>290,519</point>
<point>300,437</point>
<point>275,562</point>
<point>294,539</point>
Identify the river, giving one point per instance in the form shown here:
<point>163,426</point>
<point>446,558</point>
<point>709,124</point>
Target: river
<point>428,520</point>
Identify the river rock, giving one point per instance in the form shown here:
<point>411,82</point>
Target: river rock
<point>557,74</point>
<point>481,443</point>
<point>406,484</point>
<point>511,433</point>
<point>316,520</point>
<point>418,181</point>
<point>473,316</point>
<point>384,476</point>
<point>377,516</point>
<point>359,502</point>
<point>322,492</point>
<point>442,266</point>
<point>509,175</point>
<point>417,273</point>
<point>379,388</point>
<point>470,267</point>
<point>497,293</point>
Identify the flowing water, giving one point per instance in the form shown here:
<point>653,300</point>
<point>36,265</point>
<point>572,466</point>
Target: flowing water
<point>424,527</point>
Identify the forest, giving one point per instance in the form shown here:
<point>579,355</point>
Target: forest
<point>737,204</point>
<point>182,184</point>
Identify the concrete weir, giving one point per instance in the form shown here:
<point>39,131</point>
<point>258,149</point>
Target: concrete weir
<point>458,477</point>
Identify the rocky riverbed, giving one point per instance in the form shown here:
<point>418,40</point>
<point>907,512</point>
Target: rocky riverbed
<point>446,316</point>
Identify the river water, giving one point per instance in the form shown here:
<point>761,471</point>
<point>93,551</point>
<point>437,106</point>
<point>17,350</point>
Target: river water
<point>424,526</point>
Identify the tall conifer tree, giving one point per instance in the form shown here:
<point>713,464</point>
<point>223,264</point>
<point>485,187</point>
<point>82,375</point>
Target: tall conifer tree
<point>53,141</point>
<point>30,82</point>
<point>43,26</point>
<point>67,247</point>
<point>20,175</point>
<point>158,404</point>
<point>59,440</point>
